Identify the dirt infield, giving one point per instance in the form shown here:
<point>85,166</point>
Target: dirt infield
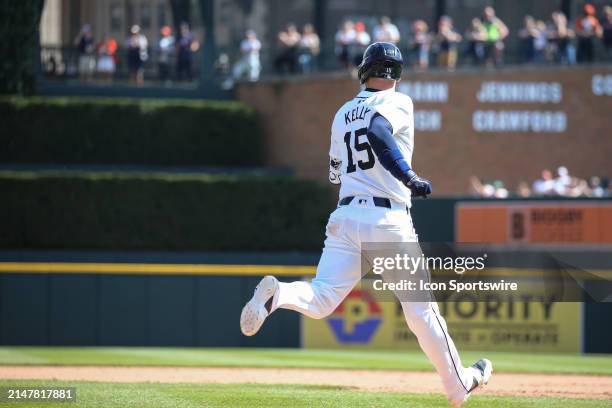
<point>508,384</point>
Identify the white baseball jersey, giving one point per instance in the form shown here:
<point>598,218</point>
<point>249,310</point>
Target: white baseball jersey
<point>352,160</point>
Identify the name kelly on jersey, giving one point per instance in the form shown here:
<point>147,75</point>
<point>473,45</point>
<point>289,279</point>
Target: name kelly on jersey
<point>358,113</point>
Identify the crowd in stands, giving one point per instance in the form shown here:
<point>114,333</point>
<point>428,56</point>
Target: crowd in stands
<point>175,55</point>
<point>548,185</point>
<point>558,41</point>
<point>483,43</point>
<point>297,50</point>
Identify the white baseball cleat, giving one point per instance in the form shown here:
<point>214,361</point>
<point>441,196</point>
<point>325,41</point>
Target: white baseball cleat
<point>482,370</point>
<point>254,313</point>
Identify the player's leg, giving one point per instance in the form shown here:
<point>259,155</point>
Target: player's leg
<point>428,325</point>
<point>424,318</point>
<point>337,274</point>
<point>338,271</point>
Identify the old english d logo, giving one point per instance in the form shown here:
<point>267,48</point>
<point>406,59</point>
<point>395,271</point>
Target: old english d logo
<point>389,52</point>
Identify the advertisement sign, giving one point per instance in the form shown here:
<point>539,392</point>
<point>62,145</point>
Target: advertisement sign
<point>534,222</point>
<point>361,321</point>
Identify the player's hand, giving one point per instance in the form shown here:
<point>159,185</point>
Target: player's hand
<point>419,186</point>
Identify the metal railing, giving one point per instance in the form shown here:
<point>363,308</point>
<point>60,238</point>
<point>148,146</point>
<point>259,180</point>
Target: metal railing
<point>65,63</point>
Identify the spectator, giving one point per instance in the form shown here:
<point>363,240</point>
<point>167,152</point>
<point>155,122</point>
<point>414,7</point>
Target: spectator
<point>479,189</point>
<point>560,38</point>
<point>564,186</point>
<point>496,33</point>
<point>186,46</point>
<point>222,65</point>
<point>87,60</point>
<point>476,36</point>
<point>545,185</point>
<point>50,66</point>
<point>137,45</point>
<point>249,60</point>
<point>577,188</point>
<point>500,189</point>
<point>419,45</point>
<point>223,72</point>
<point>606,25</point>
<point>527,35</point>
<point>287,59</point>
<point>488,190</point>
<point>166,50</point>
<point>386,31</point>
<point>310,47</point>
<point>523,190</point>
<point>598,187</point>
<point>345,37</point>
<point>362,40</point>
<point>107,57</point>
<point>563,181</point>
<point>587,28</point>
<point>448,39</point>
<point>540,42</point>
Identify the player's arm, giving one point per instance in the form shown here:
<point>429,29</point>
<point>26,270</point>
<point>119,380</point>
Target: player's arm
<point>334,170</point>
<point>335,153</point>
<point>380,136</point>
<point>335,157</point>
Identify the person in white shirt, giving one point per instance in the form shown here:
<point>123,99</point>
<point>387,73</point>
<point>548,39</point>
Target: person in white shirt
<point>345,38</point>
<point>137,46</point>
<point>249,62</point>
<point>310,47</point>
<point>386,31</point>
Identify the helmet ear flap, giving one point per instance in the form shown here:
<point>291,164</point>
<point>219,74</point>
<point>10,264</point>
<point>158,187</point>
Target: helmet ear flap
<point>362,73</point>
<point>380,69</point>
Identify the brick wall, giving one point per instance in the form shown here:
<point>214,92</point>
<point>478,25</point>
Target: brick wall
<point>296,116</point>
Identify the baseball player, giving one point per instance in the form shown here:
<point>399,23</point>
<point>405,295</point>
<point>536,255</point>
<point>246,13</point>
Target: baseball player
<point>372,140</point>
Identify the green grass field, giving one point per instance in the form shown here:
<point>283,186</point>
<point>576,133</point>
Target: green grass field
<point>92,394</point>
<point>413,360</point>
<point>251,395</point>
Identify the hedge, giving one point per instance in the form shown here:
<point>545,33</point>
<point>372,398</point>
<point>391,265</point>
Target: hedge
<point>161,211</point>
<point>19,21</point>
<point>128,131</point>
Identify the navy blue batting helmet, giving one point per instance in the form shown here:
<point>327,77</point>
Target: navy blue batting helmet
<point>381,60</point>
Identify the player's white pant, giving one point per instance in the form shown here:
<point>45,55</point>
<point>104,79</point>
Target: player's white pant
<point>339,270</point>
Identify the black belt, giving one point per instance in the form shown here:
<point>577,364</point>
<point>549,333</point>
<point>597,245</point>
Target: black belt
<point>378,201</point>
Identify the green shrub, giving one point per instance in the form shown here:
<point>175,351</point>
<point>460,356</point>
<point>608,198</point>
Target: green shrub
<point>125,131</point>
<point>161,211</point>
<point>19,22</point>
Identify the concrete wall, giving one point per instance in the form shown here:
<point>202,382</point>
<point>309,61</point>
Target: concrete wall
<point>451,146</point>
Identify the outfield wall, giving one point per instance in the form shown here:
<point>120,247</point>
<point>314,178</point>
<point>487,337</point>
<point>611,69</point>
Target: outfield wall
<point>194,299</point>
<point>110,305</point>
<point>497,124</point>
<point>102,309</point>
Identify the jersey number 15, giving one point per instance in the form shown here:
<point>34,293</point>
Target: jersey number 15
<point>360,147</point>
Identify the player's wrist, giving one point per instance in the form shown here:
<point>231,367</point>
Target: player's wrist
<point>410,176</point>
